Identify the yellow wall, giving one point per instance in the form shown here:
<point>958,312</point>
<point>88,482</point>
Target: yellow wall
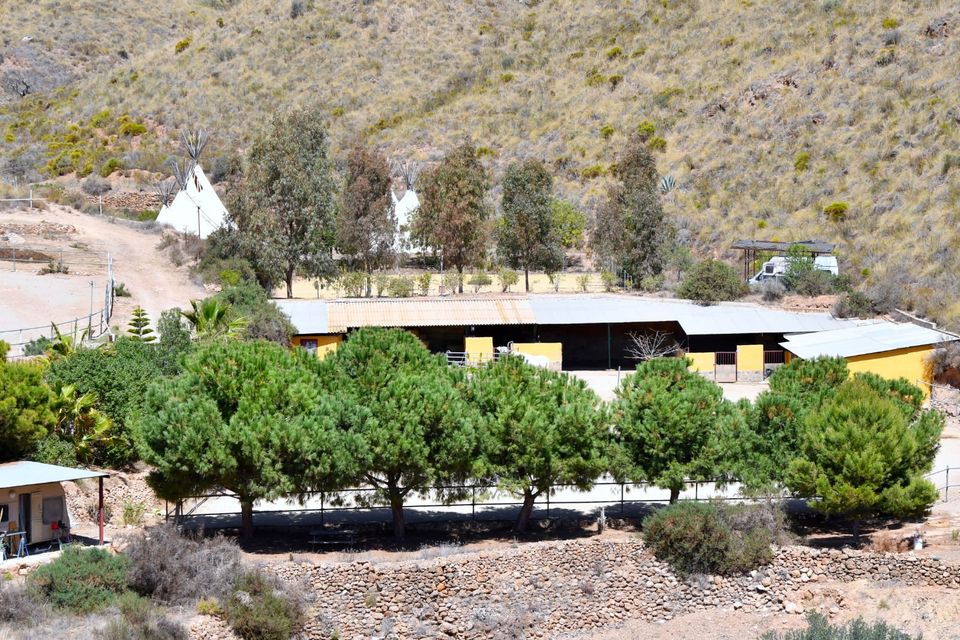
<point>325,344</point>
<point>912,364</point>
<point>552,350</point>
<point>702,362</point>
<point>478,349</point>
<point>750,357</point>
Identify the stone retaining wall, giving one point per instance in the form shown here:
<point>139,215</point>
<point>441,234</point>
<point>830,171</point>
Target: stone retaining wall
<point>541,589</point>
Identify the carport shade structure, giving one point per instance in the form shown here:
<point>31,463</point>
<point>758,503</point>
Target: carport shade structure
<point>25,474</point>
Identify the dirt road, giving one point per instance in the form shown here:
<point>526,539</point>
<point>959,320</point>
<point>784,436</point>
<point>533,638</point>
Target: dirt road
<point>29,299</point>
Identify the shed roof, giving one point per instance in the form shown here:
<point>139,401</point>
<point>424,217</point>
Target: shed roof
<point>23,473</point>
<point>815,246</point>
<point>719,319</point>
<point>865,339</point>
<point>337,316</point>
<point>428,312</point>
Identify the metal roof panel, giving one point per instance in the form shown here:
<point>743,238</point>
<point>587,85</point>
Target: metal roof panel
<point>23,473</point>
<point>865,339</point>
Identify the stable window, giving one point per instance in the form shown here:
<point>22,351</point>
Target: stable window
<point>4,512</point>
<point>52,510</point>
<point>309,345</point>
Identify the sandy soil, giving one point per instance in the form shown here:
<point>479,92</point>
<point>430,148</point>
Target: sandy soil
<point>29,299</point>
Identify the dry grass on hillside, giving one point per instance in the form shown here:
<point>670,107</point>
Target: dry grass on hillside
<point>769,111</point>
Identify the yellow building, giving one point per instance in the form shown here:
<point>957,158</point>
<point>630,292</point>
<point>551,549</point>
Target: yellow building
<point>889,349</point>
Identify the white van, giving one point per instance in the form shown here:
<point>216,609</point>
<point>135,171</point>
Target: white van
<point>776,268</point>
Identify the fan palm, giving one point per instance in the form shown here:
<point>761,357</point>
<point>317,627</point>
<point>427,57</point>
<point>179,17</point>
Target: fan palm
<point>211,319</point>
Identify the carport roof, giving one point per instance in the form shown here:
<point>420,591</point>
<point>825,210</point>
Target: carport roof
<point>23,473</point>
<point>337,316</point>
<point>865,339</point>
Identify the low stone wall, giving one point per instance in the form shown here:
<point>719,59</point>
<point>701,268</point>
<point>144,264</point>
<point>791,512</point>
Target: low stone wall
<point>538,590</point>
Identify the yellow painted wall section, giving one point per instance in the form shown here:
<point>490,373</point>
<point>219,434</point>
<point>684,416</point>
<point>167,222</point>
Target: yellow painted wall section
<point>479,349</point>
<point>325,344</point>
<point>702,362</point>
<point>912,364</point>
<point>552,350</point>
<point>750,357</point>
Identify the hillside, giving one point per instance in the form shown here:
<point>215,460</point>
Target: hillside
<point>769,111</point>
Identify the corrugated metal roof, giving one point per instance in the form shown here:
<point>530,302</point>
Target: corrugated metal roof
<point>865,339</point>
<point>718,319</point>
<point>308,316</point>
<point>815,246</point>
<point>428,312</point>
<point>21,474</point>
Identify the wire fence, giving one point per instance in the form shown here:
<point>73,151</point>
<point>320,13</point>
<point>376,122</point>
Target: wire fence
<point>474,502</point>
<point>82,327</point>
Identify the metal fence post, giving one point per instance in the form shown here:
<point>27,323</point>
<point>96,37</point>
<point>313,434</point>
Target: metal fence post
<point>621,498</point>
<point>473,503</point>
<point>548,504</point>
<point>946,489</point>
<point>321,509</point>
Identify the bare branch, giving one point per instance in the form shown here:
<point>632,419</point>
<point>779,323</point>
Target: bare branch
<point>166,189</point>
<point>655,344</point>
<point>181,172</point>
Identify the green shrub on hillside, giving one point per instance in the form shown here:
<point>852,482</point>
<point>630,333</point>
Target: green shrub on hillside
<point>854,304</point>
<point>712,281</point>
<point>111,165</point>
<point>81,580</point>
<point>819,629</point>
<point>645,130</point>
<point>259,609</point>
<point>607,131</point>
<point>614,52</point>
<point>401,287</point>
<point>657,143</point>
<point>593,172</point>
<point>697,537</point>
<point>182,45</point>
<point>801,162</point>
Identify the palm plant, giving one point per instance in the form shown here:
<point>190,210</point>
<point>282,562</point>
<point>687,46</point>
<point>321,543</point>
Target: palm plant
<point>211,319</point>
<point>80,422</point>
<point>63,345</point>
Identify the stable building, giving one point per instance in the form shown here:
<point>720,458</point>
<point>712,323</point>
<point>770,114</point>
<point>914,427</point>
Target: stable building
<point>888,349</point>
<point>726,341</point>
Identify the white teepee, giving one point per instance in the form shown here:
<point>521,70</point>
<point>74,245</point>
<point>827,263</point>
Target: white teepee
<point>404,209</point>
<point>196,209</point>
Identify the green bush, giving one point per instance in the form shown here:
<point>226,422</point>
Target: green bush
<point>182,45</point>
<point>836,211</point>
<point>259,610</point>
<point>111,165</point>
<point>131,128</point>
<point>401,287</point>
<point>81,580</point>
<point>854,304</point>
<point>696,537</point>
<point>645,130</point>
<point>712,281</point>
<point>811,282</point>
<point>657,143</point>
<point>590,173</point>
<point>609,280</point>
<point>54,450</point>
<point>140,620</point>
<point>507,278</point>
<point>615,80</point>
<point>614,52</point>
<point>890,23</point>
<point>479,280</point>
<point>352,283</point>
<point>37,346</point>
<point>819,629</point>
<point>423,283</point>
<point>801,162</point>
<point>607,131</point>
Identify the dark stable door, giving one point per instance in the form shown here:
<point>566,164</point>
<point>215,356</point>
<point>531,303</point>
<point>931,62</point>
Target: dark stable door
<point>25,515</point>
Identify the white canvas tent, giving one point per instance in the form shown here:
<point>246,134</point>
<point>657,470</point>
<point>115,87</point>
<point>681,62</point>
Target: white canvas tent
<point>196,209</point>
<point>404,209</point>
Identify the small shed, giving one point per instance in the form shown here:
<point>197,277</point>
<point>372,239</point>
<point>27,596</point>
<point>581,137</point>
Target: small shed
<point>32,498</point>
<point>888,349</point>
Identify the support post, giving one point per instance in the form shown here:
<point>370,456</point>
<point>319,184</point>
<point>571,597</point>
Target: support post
<point>100,510</point>
<point>946,489</point>
<point>609,348</point>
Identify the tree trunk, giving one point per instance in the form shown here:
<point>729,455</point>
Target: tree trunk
<point>288,276</point>
<point>525,511</point>
<point>460,279</point>
<point>369,282</point>
<point>246,519</point>
<point>526,277</point>
<point>674,494</point>
<point>396,506</point>
<point>856,533</point>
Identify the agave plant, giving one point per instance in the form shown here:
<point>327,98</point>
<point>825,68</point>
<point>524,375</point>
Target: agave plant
<point>211,319</point>
<point>667,184</point>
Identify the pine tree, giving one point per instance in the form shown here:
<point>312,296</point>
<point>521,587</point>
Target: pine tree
<point>139,326</point>
<point>863,453</point>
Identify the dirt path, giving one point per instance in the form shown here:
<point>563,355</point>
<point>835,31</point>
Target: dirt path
<point>29,299</point>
